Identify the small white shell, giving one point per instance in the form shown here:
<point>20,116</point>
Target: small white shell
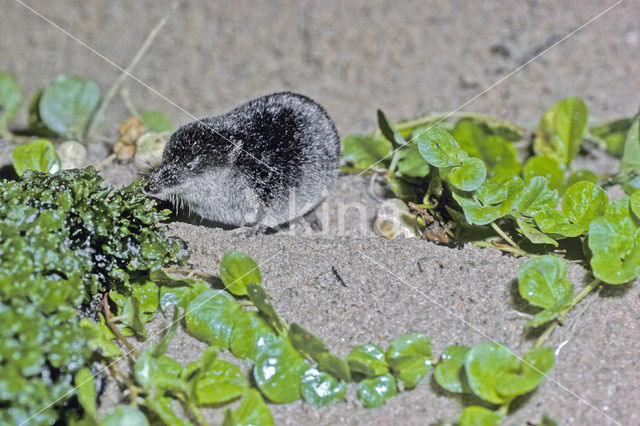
<point>150,147</point>
<point>395,220</point>
<point>73,155</point>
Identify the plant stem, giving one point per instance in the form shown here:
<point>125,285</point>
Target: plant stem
<point>505,248</point>
<point>194,410</point>
<point>99,115</point>
<point>547,332</point>
<point>504,408</point>
<point>504,235</point>
<point>114,329</point>
<point>394,161</point>
<point>440,116</point>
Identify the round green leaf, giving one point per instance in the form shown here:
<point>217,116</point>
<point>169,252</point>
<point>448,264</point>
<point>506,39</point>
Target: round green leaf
<point>335,366</point>
<point>484,365</point>
<point>495,198</point>
<point>156,121</point>
<point>277,372</point>
<point>449,373</point>
<point>438,147</point>
<point>237,269</point>
<point>374,392</point>
<point>409,356</point>
<point>535,364</point>
<point>542,281</point>
<point>546,167</point>
<point>614,240</point>
<point>124,415</point>
<point>252,412</point>
<point>368,360</point>
<point>10,99</point>
<point>320,389</point>
<point>39,155</point>
<point>221,382</point>
<point>412,164</point>
<point>86,388</point>
<point>479,416</point>
<point>210,317</point>
<point>364,151</point>
<point>469,175</point>
<point>537,197</point>
<point>251,335</point>
<point>68,104</point>
<point>582,174</point>
<point>584,201</point>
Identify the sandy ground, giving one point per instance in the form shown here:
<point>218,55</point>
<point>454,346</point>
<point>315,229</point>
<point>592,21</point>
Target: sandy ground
<point>354,57</point>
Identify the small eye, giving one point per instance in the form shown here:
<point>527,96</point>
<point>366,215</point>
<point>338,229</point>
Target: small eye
<point>191,165</point>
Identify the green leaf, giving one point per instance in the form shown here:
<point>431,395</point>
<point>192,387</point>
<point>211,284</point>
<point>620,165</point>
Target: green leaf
<point>180,296</point>
<point>368,360</point>
<point>321,389</point>
<point>129,312</point>
<point>147,296</point>
<point>389,131</point>
<point>335,366</point>
<point>479,416</point>
<point>306,342</point>
<point>469,175</point>
<point>162,406</point>
<point>409,356</point>
<point>552,312</point>
<point>613,134</point>
<point>158,374</point>
<point>449,373</point>
<point>630,161</point>
<point>10,100</point>
<point>532,233</point>
<point>496,375</point>
<point>221,382</point>
<point>39,155</point>
<point>561,130</point>
<point>277,372</point>
<point>546,167</point>
<point>156,121</point>
<point>537,197</point>
<point>68,104</point>
<point>101,338</point>
<point>552,221</point>
<point>364,151</point>
<point>541,281</point>
<point>211,316</point>
<point>582,174</point>
<point>494,199</point>
<point>237,269</point>
<point>614,240</point>
<point>252,412</point>
<point>260,299</point>
<point>251,335</point>
<point>124,415</point>
<point>412,164</point>
<point>86,387</point>
<point>584,201</point>
<point>634,203</point>
<point>374,392</point>
<point>161,347</point>
<point>499,156</point>
<point>438,147</point>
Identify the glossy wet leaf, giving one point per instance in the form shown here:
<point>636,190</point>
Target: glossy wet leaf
<point>306,342</point>
<point>237,269</point>
<point>582,174</point>
<point>277,372</point>
<point>494,199</point>
<point>261,300</point>
<point>375,391</point>
<point>537,197</point>
<point>449,372</point>
<point>101,340</point>
<point>86,388</point>
<point>161,347</point>
<point>479,416</point>
<point>321,389</point>
<point>541,281</point>
<point>39,155</point>
<point>532,233</point>
<point>211,316</point>
<point>147,296</point>
<point>180,296</point>
<point>252,412</point>
<point>469,175</point>
<point>546,167</point>
<point>368,360</point>
<point>409,357</point>
<point>251,335</point>
<point>584,201</point>
<point>614,240</point>
<point>364,151</point>
<point>552,312</point>
<point>221,382</point>
<point>496,375</point>
<point>438,147</point>
<point>389,131</point>
<point>561,130</point>
<point>156,121</point>
<point>124,415</point>
<point>129,313</point>
<point>613,134</point>
<point>499,156</point>
<point>335,366</point>
<point>158,374</point>
<point>630,161</point>
<point>68,104</point>
<point>554,222</point>
<point>634,203</point>
<point>162,406</point>
<point>10,99</point>
<point>412,164</point>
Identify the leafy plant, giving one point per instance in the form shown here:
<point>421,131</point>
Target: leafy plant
<point>10,100</point>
